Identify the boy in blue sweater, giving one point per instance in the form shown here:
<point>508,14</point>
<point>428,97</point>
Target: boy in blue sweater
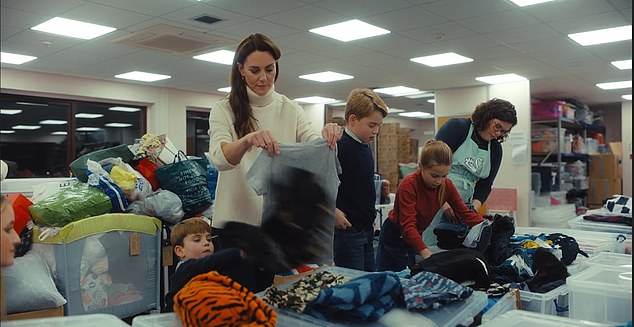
<point>355,213</point>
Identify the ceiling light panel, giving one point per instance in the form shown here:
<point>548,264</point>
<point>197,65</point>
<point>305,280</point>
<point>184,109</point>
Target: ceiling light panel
<point>124,109</point>
<point>394,110</point>
<point>120,125</point>
<point>225,89</point>
<point>52,122</point>
<point>416,114</point>
<point>73,28</point>
<point>87,115</point>
<point>143,76</point>
<point>88,129</point>
<point>315,100</point>
<point>224,57</point>
<point>606,35</point>
<point>5,131</point>
<point>431,100</point>
<point>422,94</point>
<point>623,64</point>
<point>14,58</point>
<point>397,90</point>
<point>443,59</point>
<point>59,133</point>
<point>349,30</point>
<point>10,111</point>
<point>498,79</point>
<point>524,3</point>
<point>326,77</point>
<point>615,85</point>
<point>627,97</point>
<point>26,127</point>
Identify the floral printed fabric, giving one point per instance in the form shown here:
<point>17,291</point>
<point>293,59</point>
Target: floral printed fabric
<point>427,290</point>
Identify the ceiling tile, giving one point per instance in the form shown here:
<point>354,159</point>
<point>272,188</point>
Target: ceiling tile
<point>406,18</point>
<point>439,32</point>
<point>362,8</point>
<point>272,30</point>
<point>461,9</point>
<point>256,9</point>
<point>588,23</point>
<point>499,21</point>
<point>48,9</point>
<point>306,17</point>
<point>524,34</point>
<point>105,15</point>
<point>569,9</point>
<point>146,7</point>
<point>320,45</point>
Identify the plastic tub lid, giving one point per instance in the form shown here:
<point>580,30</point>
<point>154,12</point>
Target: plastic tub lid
<point>607,259</point>
<point>517,318</point>
<point>69,321</point>
<point>157,320</point>
<point>604,280</point>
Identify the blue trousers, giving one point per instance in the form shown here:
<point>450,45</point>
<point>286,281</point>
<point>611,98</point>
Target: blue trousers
<point>393,253</point>
<point>354,248</point>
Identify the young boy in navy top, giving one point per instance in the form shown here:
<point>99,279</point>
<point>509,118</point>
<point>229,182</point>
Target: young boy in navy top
<point>355,213</point>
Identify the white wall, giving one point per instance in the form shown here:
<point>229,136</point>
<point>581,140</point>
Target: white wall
<point>460,101</point>
<point>315,114</point>
<point>626,139</point>
<point>166,112</point>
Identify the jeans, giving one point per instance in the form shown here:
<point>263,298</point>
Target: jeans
<point>354,249</point>
<point>393,253</point>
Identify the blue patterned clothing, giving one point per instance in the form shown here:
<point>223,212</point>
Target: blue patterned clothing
<point>427,290</point>
<point>363,299</point>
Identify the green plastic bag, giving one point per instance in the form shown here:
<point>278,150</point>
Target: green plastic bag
<point>78,167</point>
<point>188,179</point>
<point>70,204</point>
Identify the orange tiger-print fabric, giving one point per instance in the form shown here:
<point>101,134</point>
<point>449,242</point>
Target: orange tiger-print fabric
<point>212,299</point>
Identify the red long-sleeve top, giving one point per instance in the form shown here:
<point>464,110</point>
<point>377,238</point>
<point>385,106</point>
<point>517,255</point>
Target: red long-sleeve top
<point>416,205</point>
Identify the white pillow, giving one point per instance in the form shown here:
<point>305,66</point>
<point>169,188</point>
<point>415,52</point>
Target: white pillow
<point>28,285</point>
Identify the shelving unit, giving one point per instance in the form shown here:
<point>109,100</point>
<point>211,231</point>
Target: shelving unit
<point>556,155</point>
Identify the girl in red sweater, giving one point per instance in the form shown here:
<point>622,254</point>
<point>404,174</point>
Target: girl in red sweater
<point>419,197</point>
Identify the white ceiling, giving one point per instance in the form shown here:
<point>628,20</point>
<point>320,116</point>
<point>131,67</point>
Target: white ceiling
<point>498,35</point>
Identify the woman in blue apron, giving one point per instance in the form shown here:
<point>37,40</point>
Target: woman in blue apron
<point>477,154</point>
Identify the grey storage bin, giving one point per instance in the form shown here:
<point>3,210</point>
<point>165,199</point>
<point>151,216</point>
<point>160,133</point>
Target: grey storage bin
<point>106,264</point>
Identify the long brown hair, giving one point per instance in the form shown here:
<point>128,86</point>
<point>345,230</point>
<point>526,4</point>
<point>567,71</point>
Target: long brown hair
<point>435,153</point>
<point>244,122</point>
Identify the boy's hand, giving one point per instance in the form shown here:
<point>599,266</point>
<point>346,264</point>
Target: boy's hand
<point>341,222</point>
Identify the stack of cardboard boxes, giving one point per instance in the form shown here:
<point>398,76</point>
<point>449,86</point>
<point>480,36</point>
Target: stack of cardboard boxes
<point>605,174</point>
<point>395,146</point>
<point>387,156</point>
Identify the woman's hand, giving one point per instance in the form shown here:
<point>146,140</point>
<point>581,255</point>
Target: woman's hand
<point>263,139</point>
<point>341,222</point>
<point>331,133</point>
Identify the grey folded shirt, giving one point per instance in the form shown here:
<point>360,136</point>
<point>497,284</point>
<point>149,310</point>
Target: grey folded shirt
<point>315,157</point>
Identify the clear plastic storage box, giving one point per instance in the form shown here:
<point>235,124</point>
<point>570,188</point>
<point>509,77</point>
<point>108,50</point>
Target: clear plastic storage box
<point>556,302</point>
<point>99,319</point>
<point>582,224</point>
<point>611,260</point>
<point>517,318</point>
<point>601,294</point>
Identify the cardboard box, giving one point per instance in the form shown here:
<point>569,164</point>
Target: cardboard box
<point>605,165</point>
<point>603,188</point>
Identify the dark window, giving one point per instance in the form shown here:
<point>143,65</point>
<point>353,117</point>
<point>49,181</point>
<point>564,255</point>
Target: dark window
<point>197,132</point>
<point>40,137</point>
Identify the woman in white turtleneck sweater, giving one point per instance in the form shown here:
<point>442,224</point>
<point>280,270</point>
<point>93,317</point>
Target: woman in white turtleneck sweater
<point>252,116</point>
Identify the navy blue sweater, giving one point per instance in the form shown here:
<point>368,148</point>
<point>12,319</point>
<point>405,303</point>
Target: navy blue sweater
<point>356,194</point>
<point>454,133</point>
